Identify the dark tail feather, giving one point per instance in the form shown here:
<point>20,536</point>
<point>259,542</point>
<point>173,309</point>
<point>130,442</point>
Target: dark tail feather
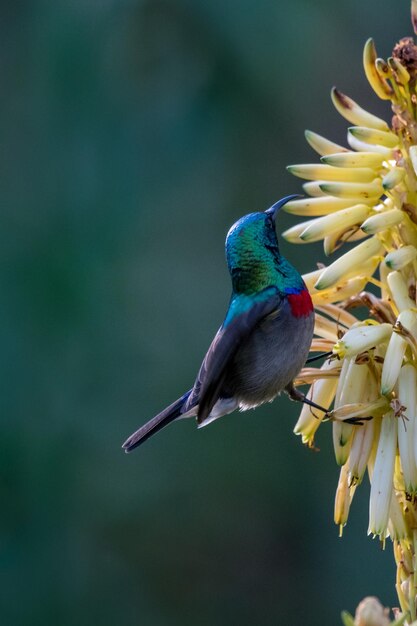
<point>156,424</point>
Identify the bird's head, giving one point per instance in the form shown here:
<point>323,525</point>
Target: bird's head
<point>253,237</point>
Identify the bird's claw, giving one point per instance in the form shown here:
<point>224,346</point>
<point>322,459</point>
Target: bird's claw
<point>358,421</point>
<point>355,421</point>
<point>296,395</point>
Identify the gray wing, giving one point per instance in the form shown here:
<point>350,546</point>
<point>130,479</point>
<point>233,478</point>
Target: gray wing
<point>222,351</point>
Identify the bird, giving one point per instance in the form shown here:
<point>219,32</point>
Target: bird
<point>264,339</point>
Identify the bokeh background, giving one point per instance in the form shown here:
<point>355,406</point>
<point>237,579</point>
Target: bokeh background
<point>133,134</point>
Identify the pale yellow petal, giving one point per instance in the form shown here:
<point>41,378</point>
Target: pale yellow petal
<point>401,74</point>
<point>362,338</point>
<point>342,317</point>
<point>319,171</point>
<point>366,191</point>
<point>376,408</point>
<point>374,136</point>
<point>353,113</point>
<point>311,207</point>
<point>322,393</point>
<point>399,291</point>
<point>293,234</point>
<point>393,178</point>
<point>382,221</point>
<point>312,188</point>
<point>397,259</point>
<point>323,327</point>
<point>378,84</point>
<point>345,218</point>
<point>407,386</point>
<point>332,242</point>
<point>392,364</point>
<point>351,389</point>
<point>349,262</point>
<point>413,156</point>
<point>381,486</point>
<point>372,160</point>
<point>343,499</point>
<point>363,146</point>
<point>340,292</point>
<point>322,145</point>
<point>360,451</point>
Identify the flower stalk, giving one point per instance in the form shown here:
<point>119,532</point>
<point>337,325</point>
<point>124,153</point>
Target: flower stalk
<point>365,194</point>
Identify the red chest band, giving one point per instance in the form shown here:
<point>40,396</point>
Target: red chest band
<point>300,303</point>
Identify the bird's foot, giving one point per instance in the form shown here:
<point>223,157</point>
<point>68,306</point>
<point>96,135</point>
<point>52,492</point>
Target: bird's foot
<point>296,395</point>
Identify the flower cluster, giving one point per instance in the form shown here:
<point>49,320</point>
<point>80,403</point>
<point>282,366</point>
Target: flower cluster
<point>370,612</point>
<point>367,194</point>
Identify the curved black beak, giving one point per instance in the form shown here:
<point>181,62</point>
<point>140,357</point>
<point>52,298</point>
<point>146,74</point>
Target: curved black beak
<point>272,211</point>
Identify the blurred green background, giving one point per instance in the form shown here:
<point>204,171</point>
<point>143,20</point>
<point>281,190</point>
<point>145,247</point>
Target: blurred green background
<point>133,134</point>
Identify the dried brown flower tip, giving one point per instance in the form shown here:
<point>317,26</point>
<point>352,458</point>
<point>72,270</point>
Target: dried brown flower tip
<point>406,52</point>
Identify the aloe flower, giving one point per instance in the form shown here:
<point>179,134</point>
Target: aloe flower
<point>366,194</point>
<point>370,612</point>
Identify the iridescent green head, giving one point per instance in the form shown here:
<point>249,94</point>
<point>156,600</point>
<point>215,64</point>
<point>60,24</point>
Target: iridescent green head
<point>253,255</point>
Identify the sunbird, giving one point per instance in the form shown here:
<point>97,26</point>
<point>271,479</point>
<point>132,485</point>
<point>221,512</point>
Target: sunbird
<point>265,337</point>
